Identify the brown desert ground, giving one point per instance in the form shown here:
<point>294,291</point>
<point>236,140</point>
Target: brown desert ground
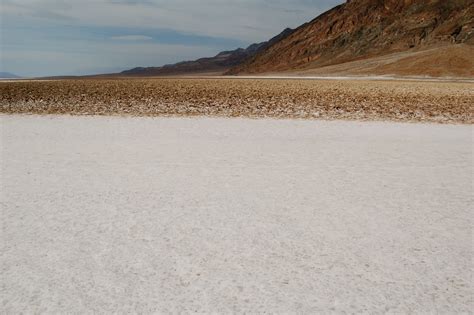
<point>449,61</point>
<point>441,102</point>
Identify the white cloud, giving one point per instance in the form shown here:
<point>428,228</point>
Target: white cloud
<point>246,20</point>
<point>45,37</point>
<point>132,37</point>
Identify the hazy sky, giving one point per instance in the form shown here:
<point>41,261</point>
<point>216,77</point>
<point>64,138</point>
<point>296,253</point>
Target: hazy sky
<point>59,37</point>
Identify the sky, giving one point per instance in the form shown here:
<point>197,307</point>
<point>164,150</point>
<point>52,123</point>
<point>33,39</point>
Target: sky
<point>77,37</point>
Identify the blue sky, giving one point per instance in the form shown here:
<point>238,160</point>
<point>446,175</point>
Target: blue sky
<point>74,37</point>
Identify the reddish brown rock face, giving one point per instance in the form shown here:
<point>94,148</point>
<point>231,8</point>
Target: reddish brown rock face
<point>362,29</point>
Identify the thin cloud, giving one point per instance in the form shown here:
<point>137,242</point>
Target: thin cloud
<point>216,18</point>
<point>85,34</point>
<point>132,37</point>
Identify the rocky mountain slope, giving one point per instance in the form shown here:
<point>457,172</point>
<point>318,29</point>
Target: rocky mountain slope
<point>217,64</point>
<point>364,29</point>
<point>454,61</point>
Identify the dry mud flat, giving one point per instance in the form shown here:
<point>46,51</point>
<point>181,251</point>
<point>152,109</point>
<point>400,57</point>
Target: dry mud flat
<point>444,102</point>
<point>172,215</point>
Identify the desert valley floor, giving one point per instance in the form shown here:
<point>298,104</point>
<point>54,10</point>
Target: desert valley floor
<point>237,157</point>
<point>152,214</point>
<point>344,98</point>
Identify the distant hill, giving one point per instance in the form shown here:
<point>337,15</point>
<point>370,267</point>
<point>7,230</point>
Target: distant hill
<point>8,75</point>
<point>217,64</point>
<point>361,30</point>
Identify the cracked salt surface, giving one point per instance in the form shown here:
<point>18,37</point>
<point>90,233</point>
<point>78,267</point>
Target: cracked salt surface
<point>110,214</point>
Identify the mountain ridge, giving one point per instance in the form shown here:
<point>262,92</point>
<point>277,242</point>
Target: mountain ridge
<point>351,36</point>
<point>8,75</point>
<point>221,62</point>
<point>361,29</point>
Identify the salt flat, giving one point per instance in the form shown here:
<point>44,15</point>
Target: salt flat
<point>112,214</point>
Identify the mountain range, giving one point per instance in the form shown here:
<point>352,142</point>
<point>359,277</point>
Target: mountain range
<point>220,63</point>
<point>8,75</point>
<point>399,37</point>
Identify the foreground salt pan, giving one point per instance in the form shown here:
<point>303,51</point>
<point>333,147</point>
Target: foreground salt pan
<point>163,214</point>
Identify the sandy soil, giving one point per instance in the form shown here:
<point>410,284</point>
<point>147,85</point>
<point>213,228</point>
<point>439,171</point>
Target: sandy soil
<point>442,102</point>
<point>447,61</point>
<point>110,214</point>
